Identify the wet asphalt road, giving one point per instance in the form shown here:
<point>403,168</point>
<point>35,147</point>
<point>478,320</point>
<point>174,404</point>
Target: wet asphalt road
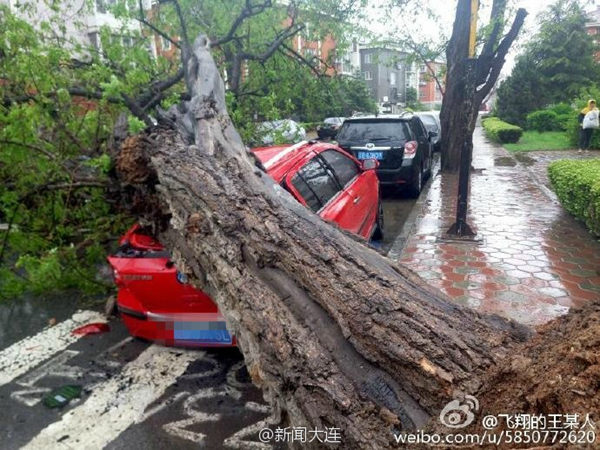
<point>135,394</point>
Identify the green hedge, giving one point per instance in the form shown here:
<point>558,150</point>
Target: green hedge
<point>542,120</point>
<point>577,185</point>
<point>501,131</point>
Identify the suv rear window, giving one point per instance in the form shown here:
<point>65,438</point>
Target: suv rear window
<point>363,131</point>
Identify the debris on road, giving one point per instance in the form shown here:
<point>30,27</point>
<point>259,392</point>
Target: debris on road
<point>62,396</point>
<point>91,328</point>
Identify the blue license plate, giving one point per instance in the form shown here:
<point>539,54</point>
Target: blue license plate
<point>370,155</point>
<point>202,332</point>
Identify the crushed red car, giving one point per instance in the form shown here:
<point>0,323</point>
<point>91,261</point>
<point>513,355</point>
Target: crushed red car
<point>155,300</point>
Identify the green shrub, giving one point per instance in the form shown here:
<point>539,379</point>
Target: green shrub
<point>577,185</point>
<point>562,109</point>
<point>501,131</point>
<point>542,120</point>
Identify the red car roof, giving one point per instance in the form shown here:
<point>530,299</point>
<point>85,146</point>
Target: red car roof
<point>280,159</point>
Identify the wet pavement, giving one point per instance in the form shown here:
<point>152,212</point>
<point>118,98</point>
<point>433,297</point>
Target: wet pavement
<point>534,260</point>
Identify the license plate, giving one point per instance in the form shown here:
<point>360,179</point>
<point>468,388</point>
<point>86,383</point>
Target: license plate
<point>202,332</point>
<point>370,155</point>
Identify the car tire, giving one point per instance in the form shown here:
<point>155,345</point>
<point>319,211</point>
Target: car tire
<point>416,184</point>
<point>378,232</point>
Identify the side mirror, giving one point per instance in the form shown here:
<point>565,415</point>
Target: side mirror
<point>370,164</point>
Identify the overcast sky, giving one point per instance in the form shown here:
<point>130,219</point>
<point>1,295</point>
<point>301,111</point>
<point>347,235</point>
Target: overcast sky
<point>422,27</point>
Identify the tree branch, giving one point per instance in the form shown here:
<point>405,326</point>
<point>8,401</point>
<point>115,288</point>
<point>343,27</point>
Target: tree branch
<point>427,61</point>
<point>182,25</point>
<point>44,152</point>
<point>142,20</point>
<point>281,37</point>
<point>248,11</point>
<point>498,61</point>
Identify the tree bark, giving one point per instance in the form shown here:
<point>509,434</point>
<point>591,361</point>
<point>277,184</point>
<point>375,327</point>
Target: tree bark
<point>461,102</point>
<point>336,334</point>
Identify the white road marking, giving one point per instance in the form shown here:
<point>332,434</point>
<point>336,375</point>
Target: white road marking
<point>117,403</point>
<point>178,428</point>
<point>24,355</point>
<point>32,394</point>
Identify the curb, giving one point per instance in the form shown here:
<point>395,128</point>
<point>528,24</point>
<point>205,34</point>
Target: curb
<point>412,219</point>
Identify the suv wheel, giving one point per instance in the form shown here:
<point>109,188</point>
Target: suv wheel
<point>378,233</point>
<point>417,183</point>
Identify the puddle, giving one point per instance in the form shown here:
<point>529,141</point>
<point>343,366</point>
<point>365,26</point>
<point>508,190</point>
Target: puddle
<point>525,160</point>
<point>504,161</point>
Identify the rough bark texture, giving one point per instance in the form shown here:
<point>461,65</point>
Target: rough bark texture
<point>336,334</point>
<point>462,100</point>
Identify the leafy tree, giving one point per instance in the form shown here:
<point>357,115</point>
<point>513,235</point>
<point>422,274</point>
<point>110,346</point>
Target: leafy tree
<point>520,93</point>
<point>556,65</point>
<point>411,95</point>
<point>60,100</point>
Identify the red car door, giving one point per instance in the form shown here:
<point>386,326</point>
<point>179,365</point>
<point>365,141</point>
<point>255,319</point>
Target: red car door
<point>333,185</point>
<point>361,198</point>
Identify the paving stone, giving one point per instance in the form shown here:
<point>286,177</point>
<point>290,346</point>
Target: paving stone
<point>466,270</point>
<point>511,296</point>
<point>536,261</point>
<point>548,276</point>
<point>584,273</point>
<point>552,292</point>
<point>467,284</point>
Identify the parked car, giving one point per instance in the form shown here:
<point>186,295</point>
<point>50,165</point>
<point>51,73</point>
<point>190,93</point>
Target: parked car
<point>280,131</point>
<point>400,143</point>
<point>329,127</point>
<point>155,300</point>
<point>431,120</point>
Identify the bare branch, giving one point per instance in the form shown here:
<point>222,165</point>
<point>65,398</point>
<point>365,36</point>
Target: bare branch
<point>500,54</point>
<point>182,25</point>
<point>290,31</point>
<point>291,52</point>
<point>427,61</point>
<point>248,11</point>
<point>142,19</point>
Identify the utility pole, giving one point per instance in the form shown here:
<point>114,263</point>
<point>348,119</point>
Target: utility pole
<point>461,228</point>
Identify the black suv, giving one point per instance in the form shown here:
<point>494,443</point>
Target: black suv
<point>400,142</point>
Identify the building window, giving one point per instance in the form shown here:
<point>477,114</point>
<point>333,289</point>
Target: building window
<point>165,44</point>
<point>94,39</point>
<point>393,78</point>
<point>368,76</point>
<point>367,58</point>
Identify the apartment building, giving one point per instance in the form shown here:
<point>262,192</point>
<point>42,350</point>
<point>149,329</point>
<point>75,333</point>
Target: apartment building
<point>430,93</point>
<point>82,20</point>
<point>389,74</point>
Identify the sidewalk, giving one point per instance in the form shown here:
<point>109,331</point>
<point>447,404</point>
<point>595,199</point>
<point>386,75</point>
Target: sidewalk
<point>535,261</point>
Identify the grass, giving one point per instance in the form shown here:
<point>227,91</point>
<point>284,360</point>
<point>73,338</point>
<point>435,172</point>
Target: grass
<point>534,140</point>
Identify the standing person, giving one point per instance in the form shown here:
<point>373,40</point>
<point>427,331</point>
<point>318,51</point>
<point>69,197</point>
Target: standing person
<point>588,120</point>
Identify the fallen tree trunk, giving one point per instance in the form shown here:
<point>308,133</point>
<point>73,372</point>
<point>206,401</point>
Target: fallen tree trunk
<point>336,334</point>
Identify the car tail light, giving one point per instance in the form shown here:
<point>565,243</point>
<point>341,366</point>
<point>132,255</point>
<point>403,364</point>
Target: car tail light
<point>410,149</point>
<point>118,279</point>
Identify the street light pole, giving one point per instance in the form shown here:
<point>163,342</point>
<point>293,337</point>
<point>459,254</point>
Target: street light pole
<point>461,228</point>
